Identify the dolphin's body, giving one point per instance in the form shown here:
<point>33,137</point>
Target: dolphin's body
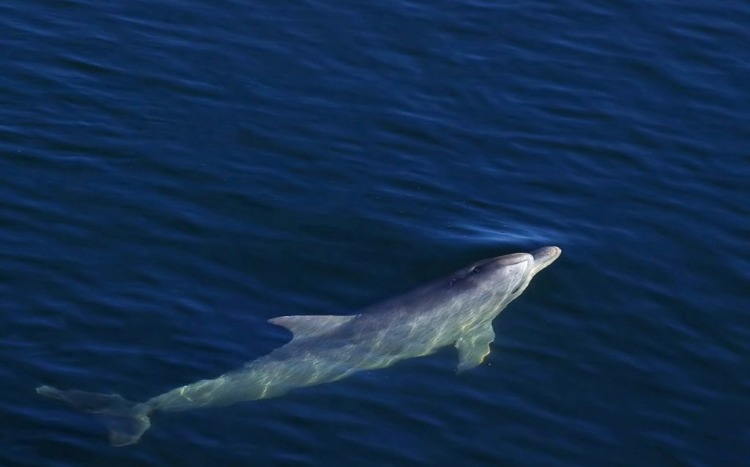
<point>456,310</point>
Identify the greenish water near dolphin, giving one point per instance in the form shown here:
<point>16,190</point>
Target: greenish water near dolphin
<point>175,174</point>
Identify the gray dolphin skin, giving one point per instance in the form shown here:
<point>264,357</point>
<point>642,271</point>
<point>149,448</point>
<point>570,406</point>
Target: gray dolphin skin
<point>456,310</point>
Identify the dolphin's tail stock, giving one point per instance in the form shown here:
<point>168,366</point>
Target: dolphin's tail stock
<point>125,420</point>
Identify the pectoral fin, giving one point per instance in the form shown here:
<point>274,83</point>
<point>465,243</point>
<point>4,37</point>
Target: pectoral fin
<point>474,346</point>
<point>309,326</point>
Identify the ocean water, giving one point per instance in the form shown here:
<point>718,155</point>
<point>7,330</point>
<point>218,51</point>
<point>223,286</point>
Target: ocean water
<point>173,174</point>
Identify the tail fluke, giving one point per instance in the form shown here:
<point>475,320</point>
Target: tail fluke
<point>125,420</point>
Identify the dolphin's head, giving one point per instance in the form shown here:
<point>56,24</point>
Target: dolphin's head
<point>509,275</point>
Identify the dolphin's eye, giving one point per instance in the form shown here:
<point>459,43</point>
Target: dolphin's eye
<point>476,269</point>
<point>516,289</point>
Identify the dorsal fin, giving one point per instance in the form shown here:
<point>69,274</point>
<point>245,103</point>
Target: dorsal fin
<point>309,326</point>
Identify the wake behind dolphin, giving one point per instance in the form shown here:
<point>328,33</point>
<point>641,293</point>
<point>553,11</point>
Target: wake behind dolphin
<point>456,310</point>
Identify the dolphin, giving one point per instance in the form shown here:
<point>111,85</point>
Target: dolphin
<point>455,310</point>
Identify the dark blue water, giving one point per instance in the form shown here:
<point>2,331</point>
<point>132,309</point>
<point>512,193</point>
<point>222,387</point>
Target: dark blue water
<point>173,174</point>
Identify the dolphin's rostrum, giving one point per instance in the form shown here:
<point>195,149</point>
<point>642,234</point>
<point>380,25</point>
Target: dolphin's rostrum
<point>456,310</point>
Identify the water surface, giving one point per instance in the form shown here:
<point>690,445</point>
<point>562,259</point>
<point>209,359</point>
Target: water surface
<point>173,174</point>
